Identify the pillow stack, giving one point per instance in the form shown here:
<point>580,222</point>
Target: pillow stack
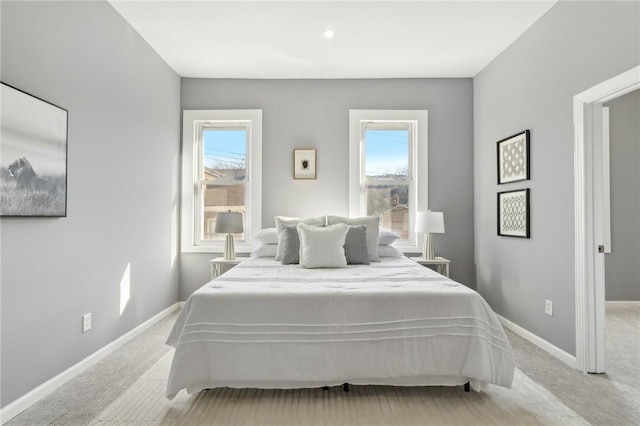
<point>363,242</point>
<point>267,243</point>
<point>385,249</point>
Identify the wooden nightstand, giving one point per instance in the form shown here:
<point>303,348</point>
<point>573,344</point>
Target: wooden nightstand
<point>442,264</point>
<point>219,266</point>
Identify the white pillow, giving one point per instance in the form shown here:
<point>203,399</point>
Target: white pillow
<point>387,237</point>
<point>322,247</point>
<point>266,250</point>
<point>282,220</point>
<point>373,229</point>
<point>268,236</point>
<point>389,251</point>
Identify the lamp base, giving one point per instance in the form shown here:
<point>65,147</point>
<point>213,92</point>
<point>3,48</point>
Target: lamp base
<point>428,251</point>
<point>229,249</point>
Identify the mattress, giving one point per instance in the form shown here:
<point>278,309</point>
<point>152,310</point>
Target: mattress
<point>266,325</point>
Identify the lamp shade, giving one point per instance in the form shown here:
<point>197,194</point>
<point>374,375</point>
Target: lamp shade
<point>431,222</point>
<point>228,223</point>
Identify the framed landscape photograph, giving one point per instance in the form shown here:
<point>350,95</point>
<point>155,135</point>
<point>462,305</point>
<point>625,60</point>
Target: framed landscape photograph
<point>33,152</point>
<point>304,163</point>
<point>513,213</point>
<point>513,158</point>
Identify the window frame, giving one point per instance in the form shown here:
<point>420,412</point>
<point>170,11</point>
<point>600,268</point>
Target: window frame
<point>202,126</point>
<point>193,124</point>
<point>418,163</point>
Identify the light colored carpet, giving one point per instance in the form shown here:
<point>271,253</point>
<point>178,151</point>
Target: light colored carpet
<point>601,399</point>
<point>525,404</point>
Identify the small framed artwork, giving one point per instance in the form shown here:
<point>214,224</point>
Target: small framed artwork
<point>304,163</point>
<point>514,213</point>
<point>513,158</point>
<point>33,149</point>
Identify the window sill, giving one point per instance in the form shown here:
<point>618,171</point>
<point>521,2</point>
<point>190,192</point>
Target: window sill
<point>408,249</point>
<point>240,249</point>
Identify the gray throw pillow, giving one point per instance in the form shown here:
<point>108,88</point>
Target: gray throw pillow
<point>373,230</point>
<point>282,221</point>
<point>355,245</point>
<point>290,241</point>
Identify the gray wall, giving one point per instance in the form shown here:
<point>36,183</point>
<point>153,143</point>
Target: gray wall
<point>531,85</point>
<point>124,132</point>
<point>622,268</point>
<point>315,114</point>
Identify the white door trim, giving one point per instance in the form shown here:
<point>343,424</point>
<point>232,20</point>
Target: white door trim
<point>589,264</point>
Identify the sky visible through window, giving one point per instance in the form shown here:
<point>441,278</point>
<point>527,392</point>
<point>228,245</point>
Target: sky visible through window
<point>386,152</point>
<point>225,148</point>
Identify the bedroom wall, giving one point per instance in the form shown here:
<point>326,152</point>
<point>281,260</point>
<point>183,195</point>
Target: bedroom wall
<point>315,114</point>
<point>531,85</point>
<point>123,156</point>
<point>622,269</point>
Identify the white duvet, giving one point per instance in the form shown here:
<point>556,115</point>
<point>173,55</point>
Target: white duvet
<point>393,322</point>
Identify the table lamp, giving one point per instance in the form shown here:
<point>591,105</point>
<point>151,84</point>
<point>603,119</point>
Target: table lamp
<point>430,223</point>
<point>229,223</point>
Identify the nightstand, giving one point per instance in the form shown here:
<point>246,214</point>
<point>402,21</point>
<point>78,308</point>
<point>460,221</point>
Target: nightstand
<point>442,264</point>
<point>219,266</point>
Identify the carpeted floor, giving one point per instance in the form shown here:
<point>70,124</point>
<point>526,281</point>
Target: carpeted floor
<point>602,399</point>
<point>555,393</point>
<point>526,403</point>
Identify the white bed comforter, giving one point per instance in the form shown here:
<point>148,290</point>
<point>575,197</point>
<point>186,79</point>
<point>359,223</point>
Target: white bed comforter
<point>394,322</point>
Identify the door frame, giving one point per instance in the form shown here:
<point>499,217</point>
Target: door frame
<point>588,184</point>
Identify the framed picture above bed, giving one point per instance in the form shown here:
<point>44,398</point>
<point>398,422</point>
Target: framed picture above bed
<point>514,213</point>
<point>33,149</point>
<point>513,158</point>
<point>304,163</point>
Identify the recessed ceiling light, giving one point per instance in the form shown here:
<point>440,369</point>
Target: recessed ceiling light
<point>329,34</point>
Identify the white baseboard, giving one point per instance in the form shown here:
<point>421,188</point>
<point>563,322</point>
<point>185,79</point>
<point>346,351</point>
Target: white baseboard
<point>19,405</point>
<point>563,356</point>
<point>623,303</point>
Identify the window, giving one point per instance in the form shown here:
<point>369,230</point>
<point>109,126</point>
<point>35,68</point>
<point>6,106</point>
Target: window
<point>221,155</point>
<point>388,168</point>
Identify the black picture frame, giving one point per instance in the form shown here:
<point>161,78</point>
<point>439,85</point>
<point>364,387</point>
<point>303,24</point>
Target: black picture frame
<point>34,136</point>
<point>514,213</point>
<point>514,157</point>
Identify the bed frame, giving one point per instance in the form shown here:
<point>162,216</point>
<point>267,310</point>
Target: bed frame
<point>345,387</point>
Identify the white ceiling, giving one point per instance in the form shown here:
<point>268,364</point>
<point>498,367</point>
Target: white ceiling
<point>373,39</point>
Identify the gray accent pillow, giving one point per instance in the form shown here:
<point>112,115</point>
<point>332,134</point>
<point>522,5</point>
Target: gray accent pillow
<point>281,221</point>
<point>373,230</point>
<point>355,246</point>
<point>290,241</point>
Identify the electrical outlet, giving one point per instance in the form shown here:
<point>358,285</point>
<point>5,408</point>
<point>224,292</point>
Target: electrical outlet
<point>86,322</point>
<point>548,307</point>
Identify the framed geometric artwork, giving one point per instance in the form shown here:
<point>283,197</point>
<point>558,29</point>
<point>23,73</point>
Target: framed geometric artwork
<point>513,213</point>
<point>513,158</point>
<point>304,163</point>
<point>33,153</point>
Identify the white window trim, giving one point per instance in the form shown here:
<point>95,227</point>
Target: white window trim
<point>418,156</point>
<point>190,124</point>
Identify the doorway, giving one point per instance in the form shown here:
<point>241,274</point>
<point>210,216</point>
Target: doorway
<point>589,217</point>
<point>622,270</point>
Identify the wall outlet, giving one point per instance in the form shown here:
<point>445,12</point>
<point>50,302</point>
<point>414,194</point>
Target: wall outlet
<point>548,307</point>
<point>86,322</point>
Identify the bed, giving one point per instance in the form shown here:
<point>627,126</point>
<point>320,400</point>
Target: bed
<point>267,325</point>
